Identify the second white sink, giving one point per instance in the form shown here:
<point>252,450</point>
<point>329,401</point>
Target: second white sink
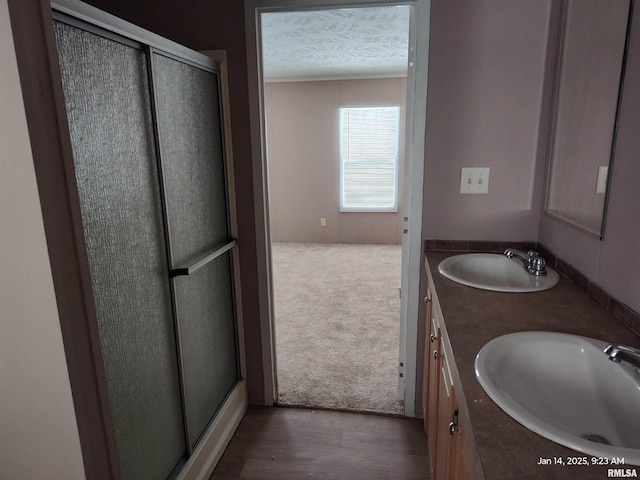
<point>565,388</point>
<point>491,271</point>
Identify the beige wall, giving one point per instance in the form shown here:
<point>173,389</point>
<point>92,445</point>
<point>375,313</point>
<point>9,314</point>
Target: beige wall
<point>486,82</point>
<point>487,106</point>
<point>38,432</point>
<point>304,162</point>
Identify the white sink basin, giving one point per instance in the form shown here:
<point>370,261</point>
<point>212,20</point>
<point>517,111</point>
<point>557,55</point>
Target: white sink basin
<point>491,271</point>
<point>565,388</point>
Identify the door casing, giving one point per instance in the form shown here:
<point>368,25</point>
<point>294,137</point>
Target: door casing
<point>412,249</point>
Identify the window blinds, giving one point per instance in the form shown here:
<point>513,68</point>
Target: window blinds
<point>369,158</point>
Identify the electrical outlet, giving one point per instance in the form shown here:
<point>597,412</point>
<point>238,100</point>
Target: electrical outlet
<point>474,180</point>
<point>323,222</point>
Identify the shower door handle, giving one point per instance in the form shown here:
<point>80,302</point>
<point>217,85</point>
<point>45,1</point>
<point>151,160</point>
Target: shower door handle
<point>177,272</point>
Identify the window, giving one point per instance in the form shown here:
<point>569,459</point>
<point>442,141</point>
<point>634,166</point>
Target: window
<point>369,159</point>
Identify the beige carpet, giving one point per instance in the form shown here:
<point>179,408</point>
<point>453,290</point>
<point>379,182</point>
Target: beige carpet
<point>337,314</point>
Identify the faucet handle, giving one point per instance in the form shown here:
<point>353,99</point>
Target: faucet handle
<point>537,266</point>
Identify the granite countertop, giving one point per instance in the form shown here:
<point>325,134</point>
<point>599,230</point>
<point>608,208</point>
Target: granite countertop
<point>472,318</point>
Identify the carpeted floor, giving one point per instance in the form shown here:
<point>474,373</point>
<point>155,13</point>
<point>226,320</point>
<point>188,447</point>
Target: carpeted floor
<point>337,314</point>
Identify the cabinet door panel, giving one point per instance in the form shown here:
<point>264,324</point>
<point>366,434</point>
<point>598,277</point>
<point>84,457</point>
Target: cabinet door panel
<point>425,363</point>
<point>462,466</point>
<point>434,384</point>
<point>444,417</point>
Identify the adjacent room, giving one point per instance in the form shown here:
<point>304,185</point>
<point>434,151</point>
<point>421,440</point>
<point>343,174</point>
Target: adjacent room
<point>335,95</point>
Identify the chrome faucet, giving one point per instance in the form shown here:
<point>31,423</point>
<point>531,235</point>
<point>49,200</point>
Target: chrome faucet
<point>617,353</point>
<point>532,261</point>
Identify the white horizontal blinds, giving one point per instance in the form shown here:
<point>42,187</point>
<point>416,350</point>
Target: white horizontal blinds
<point>369,158</point>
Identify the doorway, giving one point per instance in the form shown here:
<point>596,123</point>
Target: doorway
<point>411,214</point>
<point>335,99</point>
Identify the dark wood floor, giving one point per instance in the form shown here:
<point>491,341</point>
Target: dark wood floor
<point>289,443</point>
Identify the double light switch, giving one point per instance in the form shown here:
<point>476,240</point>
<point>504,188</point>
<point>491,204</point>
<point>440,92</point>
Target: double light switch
<point>474,180</point>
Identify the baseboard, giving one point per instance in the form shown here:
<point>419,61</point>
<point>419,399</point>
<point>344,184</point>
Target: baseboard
<point>206,456</point>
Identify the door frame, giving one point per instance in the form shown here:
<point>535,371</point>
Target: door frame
<point>412,249</point>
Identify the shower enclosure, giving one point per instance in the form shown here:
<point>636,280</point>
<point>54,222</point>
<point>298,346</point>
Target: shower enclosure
<point>146,129</point>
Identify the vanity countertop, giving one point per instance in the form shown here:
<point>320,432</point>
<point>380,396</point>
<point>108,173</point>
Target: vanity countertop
<point>473,317</point>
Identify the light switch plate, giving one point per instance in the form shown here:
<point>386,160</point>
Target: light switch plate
<point>474,180</point>
<point>601,184</point>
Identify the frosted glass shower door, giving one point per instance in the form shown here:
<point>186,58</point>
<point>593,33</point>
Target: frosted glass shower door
<point>107,95</point>
<point>191,151</point>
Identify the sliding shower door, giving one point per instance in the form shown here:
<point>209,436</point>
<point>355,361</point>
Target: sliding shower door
<point>149,161</point>
<point>110,120</point>
<point>191,146</point>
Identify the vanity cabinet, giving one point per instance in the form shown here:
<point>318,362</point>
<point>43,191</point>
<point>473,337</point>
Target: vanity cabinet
<point>448,452</point>
<point>488,442</point>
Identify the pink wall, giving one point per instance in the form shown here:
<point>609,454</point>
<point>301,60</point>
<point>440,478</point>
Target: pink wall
<point>613,263</point>
<point>304,163</point>
<point>488,105</point>
<point>487,67</point>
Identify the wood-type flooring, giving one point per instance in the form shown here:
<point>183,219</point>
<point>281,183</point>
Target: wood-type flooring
<point>290,443</point>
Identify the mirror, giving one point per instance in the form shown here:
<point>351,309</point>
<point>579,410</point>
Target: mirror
<point>589,68</point>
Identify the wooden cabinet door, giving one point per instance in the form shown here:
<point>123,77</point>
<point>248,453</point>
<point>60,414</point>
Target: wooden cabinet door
<point>448,453</point>
<point>435,354</point>
<point>426,361</point>
<point>462,463</point>
<point>445,454</point>
<point>453,462</point>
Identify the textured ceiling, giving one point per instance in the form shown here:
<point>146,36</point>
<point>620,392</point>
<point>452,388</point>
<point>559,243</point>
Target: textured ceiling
<point>341,43</point>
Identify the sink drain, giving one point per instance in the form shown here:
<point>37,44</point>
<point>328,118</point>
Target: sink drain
<point>596,439</point>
